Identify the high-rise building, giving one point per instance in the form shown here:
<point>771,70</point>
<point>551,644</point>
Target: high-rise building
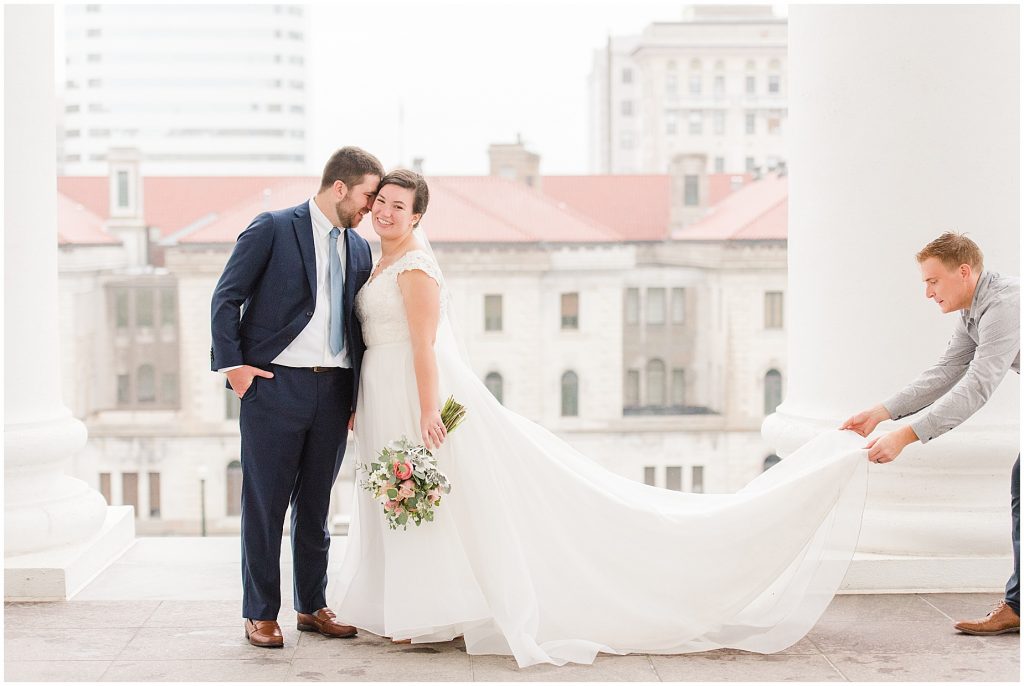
<point>705,95</point>
<point>199,90</point>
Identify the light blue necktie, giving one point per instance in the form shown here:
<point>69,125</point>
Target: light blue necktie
<point>336,281</point>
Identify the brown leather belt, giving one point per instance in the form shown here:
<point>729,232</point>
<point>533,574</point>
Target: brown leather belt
<point>320,370</point>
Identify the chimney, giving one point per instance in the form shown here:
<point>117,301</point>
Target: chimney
<point>126,220</point>
<point>689,172</point>
<point>513,161</point>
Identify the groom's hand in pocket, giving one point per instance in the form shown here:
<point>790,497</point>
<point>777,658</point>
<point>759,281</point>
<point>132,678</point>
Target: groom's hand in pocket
<point>241,378</point>
<point>352,422</point>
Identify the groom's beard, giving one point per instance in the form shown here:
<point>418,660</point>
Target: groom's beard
<point>348,219</point>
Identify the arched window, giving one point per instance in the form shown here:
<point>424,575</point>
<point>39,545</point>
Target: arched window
<point>771,461</point>
<point>570,394</point>
<point>655,382</point>
<point>772,390</point>
<point>694,65</point>
<point>496,385</point>
<point>234,488</point>
<point>145,382</point>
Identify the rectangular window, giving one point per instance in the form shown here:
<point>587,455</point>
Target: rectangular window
<point>679,387</point>
<point>671,85</point>
<point>719,86</point>
<point>696,122</point>
<point>751,85</point>
<point>719,122</point>
<point>168,307</point>
<point>105,486</point>
<point>124,389</point>
<point>130,490</point>
<point>492,313</point>
<point>674,478</point>
<point>627,140</point>
<point>143,307</point>
<point>169,388</point>
<point>570,310</point>
<point>773,310</point>
<point>750,121</point>
<point>121,308</point>
<point>632,306</point>
<point>122,189</point>
<point>627,75</point>
<point>632,387</point>
<point>691,190</point>
<point>695,84</point>
<point>678,305</point>
<point>649,476</point>
<point>627,108</point>
<point>697,479</point>
<point>774,123</point>
<point>655,305</point>
<point>719,165</point>
<point>749,165</point>
<point>670,123</point>
<point>154,494</point>
<point>773,84</point>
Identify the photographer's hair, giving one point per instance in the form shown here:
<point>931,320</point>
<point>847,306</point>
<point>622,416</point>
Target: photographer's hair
<point>405,178</point>
<point>953,249</point>
<point>350,165</point>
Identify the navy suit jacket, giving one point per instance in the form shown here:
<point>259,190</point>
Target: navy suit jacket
<point>266,294</point>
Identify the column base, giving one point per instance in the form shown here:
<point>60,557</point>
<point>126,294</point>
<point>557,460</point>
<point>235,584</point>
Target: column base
<point>873,573</point>
<point>60,573</point>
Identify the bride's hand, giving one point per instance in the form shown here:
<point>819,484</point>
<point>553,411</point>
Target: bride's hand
<point>432,429</point>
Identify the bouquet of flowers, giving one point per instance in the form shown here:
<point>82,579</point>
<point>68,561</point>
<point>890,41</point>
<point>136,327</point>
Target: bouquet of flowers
<point>405,477</point>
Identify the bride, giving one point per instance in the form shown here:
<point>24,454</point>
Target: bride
<point>540,553</point>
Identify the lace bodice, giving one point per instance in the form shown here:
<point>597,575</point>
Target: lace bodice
<point>379,303</point>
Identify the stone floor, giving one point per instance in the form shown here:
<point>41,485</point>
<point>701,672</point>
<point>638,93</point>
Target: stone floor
<point>168,611</point>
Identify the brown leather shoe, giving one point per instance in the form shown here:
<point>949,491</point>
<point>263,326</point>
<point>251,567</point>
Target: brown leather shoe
<point>324,621</point>
<point>1001,620</point>
<point>264,633</point>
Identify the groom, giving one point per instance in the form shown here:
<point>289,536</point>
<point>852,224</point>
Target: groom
<point>285,335</point>
<point>984,348</point>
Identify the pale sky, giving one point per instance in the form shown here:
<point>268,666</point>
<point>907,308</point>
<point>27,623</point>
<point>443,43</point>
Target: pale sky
<point>466,74</point>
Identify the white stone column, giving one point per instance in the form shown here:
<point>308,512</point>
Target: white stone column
<point>58,532</point>
<point>904,122</point>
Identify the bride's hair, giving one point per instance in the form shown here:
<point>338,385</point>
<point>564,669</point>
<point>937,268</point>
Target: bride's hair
<point>406,178</point>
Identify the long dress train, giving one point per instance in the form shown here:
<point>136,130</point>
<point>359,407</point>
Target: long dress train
<point>540,553</point>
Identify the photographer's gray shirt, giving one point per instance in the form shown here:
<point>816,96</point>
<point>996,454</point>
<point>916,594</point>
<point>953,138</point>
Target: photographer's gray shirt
<point>985,344</point>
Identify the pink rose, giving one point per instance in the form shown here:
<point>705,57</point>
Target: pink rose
<point>392,505</point>
<point>433,495</point>
<point>406,489</point>
<point>403,470</point>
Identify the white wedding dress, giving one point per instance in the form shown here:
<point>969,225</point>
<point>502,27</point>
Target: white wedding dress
<point>540,553</point>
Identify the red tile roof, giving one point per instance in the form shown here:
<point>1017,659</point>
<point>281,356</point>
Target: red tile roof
<point>758,211</point>
<point>636,206</point>
<point>77,225</point>
<point>171,202</point>
<point>463,209</point>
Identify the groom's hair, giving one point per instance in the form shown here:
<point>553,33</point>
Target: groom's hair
<point>404,178</point>
<point>350,165</point>
<point>953,249</point>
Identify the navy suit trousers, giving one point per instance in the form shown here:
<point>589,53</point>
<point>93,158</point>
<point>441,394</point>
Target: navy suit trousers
<point>294,429</point>
<point>1013,585</point>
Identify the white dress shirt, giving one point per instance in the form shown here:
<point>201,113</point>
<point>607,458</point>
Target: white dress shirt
<point>312,348</point>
